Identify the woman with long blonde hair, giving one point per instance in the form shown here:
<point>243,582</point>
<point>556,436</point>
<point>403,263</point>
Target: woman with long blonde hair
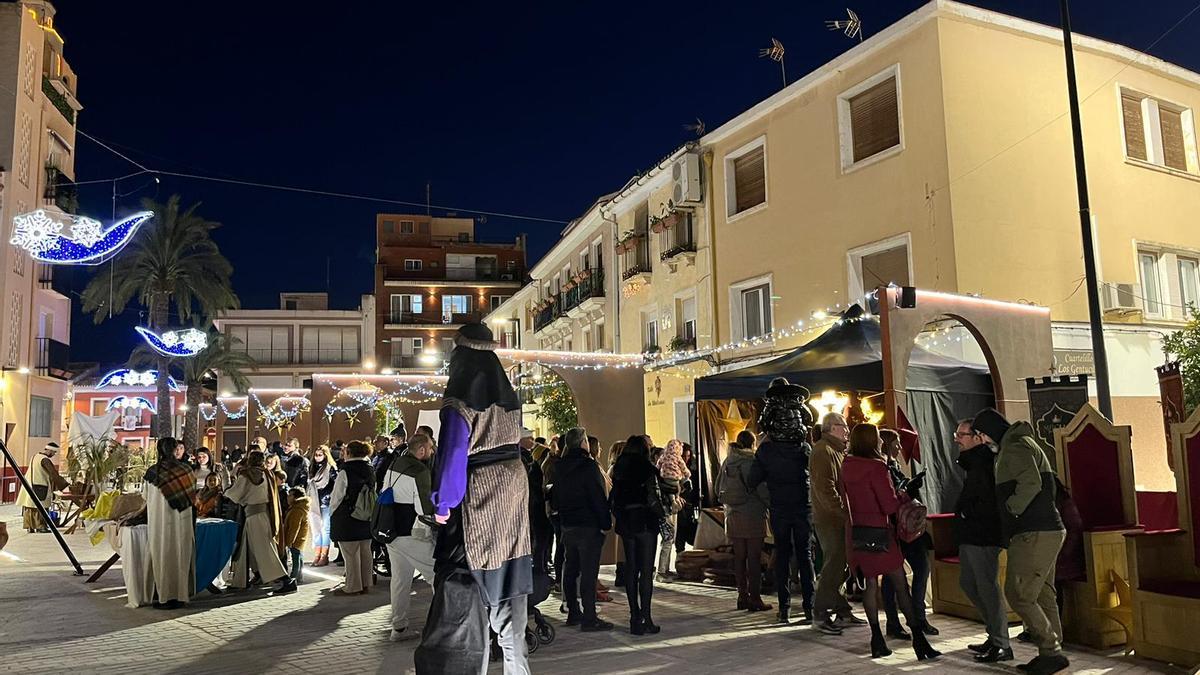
<point>322,474</point>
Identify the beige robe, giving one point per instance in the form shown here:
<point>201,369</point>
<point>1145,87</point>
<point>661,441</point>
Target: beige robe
<point>171,544</point>
<point>258,548</point>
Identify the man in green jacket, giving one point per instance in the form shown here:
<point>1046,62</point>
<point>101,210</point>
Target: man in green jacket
<point>1033,532</point>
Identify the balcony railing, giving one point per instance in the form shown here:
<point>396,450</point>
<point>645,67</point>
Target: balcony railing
<point>413,361</point>
<point>636,261</point>
<point>547,315</point>
<point>592,286</point>
<point>53,359</point>
<point>398,273</point>
<point>58,100</point>
<point>285,356</point>
<point>678,239</point>
<point>430,318</point>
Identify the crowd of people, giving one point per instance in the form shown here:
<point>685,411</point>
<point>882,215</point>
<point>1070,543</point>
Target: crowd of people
<point>485,513</point>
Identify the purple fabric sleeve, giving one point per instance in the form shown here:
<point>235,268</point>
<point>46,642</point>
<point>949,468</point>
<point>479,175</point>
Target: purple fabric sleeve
<point>450,469</point>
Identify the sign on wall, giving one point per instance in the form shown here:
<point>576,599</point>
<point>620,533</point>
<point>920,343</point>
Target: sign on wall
<point>1073,362</point>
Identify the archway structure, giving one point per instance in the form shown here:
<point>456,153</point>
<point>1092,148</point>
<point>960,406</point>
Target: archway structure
<point>1015,339</point>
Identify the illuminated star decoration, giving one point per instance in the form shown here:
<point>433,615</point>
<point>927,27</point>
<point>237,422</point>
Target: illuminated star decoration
<point>40,233</point>
<point>188,342</point>
<point>132,378</point>
<point>136,402</point>
<point>352,418</point>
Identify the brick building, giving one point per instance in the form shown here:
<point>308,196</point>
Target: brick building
<point>431,276</point>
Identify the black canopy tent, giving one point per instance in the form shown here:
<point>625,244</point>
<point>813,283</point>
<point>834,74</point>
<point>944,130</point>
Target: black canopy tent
<point>848,357</point>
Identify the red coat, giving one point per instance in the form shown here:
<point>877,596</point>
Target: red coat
<point>870,499</point>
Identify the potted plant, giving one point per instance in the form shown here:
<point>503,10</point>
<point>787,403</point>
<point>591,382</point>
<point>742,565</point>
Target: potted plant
<point>680,343</point>
<point>656,224</point>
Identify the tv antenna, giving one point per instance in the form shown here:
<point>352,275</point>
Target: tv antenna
<point>851,26</point>
<point>775,53</point>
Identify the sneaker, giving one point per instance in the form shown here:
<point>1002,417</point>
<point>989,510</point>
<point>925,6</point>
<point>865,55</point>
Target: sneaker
<point>285,587</point>
<point>828,627</point>
<point>596,626</point>
<point>402,635</point>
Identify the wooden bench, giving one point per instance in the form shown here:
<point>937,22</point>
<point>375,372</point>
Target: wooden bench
<point>948,596</point>
<point>1095,460</point>
<point>1164,565</point>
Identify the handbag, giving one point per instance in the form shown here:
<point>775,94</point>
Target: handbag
<point>870,539</point>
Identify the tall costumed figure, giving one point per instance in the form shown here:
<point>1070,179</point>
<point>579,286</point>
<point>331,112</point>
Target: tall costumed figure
<point>482,559</point>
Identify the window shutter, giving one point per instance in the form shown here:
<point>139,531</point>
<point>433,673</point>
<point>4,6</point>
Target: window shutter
<point>750,180</point>
<point>1135,132</point>
<point>1174,154</point>
<point>875,120</point>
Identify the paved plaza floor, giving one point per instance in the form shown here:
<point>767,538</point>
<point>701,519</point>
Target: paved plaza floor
<point>51,622</point>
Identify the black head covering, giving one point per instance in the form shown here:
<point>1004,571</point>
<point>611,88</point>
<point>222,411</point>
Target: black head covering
<point>475,375</point>
<point>785,415</point>
<point>992,423</point>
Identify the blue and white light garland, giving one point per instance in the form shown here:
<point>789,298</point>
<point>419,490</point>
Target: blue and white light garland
<point>276,415</point>
<point>40,233</point>
<point>187,342</point>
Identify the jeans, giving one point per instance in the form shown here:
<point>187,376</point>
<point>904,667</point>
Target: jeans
<point>639,573</point>
<point>917,555</point>
<point>1029,586</point>
<point>408,554</point>
<point>667,549</point>
<point>321,537</point>
<point>979,567</point>
<point>297,564</point>
<point>793,536</point>
<point>581,566</point>
<point>829,598</point>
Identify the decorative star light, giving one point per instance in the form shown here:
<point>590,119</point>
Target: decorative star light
<point>35,232</point>
<point>136,402</point>
<point>188,342</point>
<point>132,378</point>
<point>40,233</point>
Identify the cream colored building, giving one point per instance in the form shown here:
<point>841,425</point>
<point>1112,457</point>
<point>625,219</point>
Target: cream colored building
<point>937,153</point>
<point>37,146</point>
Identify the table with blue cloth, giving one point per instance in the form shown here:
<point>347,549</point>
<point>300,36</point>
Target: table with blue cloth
<point>215,541</point>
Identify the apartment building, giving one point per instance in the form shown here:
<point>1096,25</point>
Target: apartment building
<point>38,107</point>
<point>432,275</point>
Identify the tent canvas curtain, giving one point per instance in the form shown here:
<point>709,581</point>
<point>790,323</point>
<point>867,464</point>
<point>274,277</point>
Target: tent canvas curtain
<point>935,416</point>
<point>715,429</point>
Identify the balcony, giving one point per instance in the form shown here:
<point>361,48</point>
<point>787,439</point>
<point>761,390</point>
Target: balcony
<point>53,359</point>
<point>438,276</point>
<point>54,279</point>
<point>547,315</point>
<point>679,241</point>
<point>60,101</point>
<point>398,320</point>
<point>586,295</point>
<point>414,361</point>
<point>305,356</point>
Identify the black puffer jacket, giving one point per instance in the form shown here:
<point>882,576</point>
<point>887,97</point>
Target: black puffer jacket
<point>977,512</point>
<point>630,497</point>
<point>784,466</point>
<point>577,493</point>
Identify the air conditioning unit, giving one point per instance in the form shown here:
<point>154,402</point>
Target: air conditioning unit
<point>685,174</point>
<point>1120,297</point>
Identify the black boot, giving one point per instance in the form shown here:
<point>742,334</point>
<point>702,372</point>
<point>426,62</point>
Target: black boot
<point>922,647</point>
<point>895,630</point>
<point>649,626</point>
<point>879,647</point>
<point>784,615</point>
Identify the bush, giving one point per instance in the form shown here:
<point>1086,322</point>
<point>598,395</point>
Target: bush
<point>1184,345</point>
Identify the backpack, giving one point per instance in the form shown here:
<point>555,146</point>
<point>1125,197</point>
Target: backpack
<point>364,503</point>
<point>911,520</point>
<point>733,488</point>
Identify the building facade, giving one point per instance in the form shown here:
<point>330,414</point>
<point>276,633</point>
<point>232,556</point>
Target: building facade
<point>38,107</point>
<point>432,275</point>
<point>135,396</point>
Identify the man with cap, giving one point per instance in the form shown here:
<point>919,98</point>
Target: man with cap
<point>1033,530</point>
<point>482,560</point>
<point>44,479</point>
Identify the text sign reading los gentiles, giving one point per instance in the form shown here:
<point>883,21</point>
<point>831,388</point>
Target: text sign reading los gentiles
<point>1074,362</point>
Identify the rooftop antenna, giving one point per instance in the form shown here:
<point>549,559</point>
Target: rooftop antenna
<point>775,53</point>
<point>851,27</point>
<point>428,197</point>
<point>697,128</point>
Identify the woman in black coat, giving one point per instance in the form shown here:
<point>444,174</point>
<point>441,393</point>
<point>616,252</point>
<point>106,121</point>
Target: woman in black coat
<point>635,484</point>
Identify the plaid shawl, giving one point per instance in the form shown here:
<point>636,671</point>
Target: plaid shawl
<point>176,480</point>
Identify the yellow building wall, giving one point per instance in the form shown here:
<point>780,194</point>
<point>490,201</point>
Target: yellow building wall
<point>815,213</point>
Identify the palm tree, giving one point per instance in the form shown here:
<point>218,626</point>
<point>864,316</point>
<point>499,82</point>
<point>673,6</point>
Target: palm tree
<point>221,356</point>
<point>172,264</point>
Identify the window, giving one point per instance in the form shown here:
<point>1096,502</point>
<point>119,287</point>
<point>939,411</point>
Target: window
<point>869,121</point>
<point>389,226</point>
<point>289,304</point>
<point>1151,283</point>
<point>328,344</point>
<point>649,332</point>
<point>455,304</point>
<point>497,300</point>
<point>1189,283</point>
<point>264,344</point>
<point>407,227</point>
<point>750,303</point>
<point>746,177</point>
<point>687,319</point>
<point>1158,132</point>
<point>599,341</point>
<point>879,264</point>
<point>586,343</point>
<point>447,347</point>
<point>405,304</point>
<point>411,265</point>
<point>41,410</point>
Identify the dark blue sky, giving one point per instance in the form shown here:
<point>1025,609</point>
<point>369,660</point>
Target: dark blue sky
<point>530,110</point>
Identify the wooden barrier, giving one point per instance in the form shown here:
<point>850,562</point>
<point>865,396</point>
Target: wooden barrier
<point>1164,566</point>
<point>1095,459</point>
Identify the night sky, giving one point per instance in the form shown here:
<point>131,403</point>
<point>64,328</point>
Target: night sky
<point>522,110</point>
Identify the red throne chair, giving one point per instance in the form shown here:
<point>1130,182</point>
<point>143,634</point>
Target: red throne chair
<point>1095,461</point>
<point>1164,565</point>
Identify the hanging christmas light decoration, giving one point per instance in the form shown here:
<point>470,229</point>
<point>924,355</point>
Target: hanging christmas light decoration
<point>233,414</point>
<point>41,234</point>
<point>184,343</point>
<point>135,402</point>
<point>124,377</point>
<point>282,411</point>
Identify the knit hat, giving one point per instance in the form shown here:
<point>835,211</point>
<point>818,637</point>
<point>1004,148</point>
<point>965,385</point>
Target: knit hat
<point>989,421</point>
